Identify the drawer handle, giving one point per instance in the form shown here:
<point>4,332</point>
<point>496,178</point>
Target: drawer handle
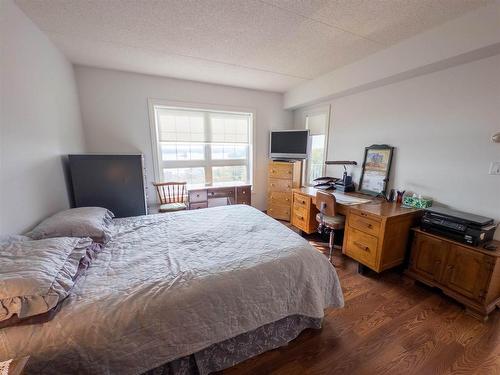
<point>361,246</point>
<point>363,214</point>
<point>244,192</point>
<point>287,199</point>
<point>303,201</point>
<point>369,226</point>
<point>300,217</point>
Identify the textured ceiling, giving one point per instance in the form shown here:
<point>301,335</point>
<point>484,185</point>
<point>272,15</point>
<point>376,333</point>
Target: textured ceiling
<point>263,44</point>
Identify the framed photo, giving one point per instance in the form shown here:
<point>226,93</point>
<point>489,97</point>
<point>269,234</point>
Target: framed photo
<point>376,169</point>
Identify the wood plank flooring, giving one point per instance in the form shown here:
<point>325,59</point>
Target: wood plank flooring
<point>389,325</point>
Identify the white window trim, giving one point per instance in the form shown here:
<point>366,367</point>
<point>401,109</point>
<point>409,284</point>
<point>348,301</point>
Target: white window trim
<point>311,112</point>
<point>152,103</point>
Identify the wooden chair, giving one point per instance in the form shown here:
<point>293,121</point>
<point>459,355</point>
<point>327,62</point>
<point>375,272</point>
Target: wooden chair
<point>172,196</point>
<point>327,218</point>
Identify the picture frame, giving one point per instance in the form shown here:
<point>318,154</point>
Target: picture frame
<point>376,169</point>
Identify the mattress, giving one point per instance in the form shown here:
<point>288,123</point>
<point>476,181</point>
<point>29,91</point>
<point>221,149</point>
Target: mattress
<point>169,285</point>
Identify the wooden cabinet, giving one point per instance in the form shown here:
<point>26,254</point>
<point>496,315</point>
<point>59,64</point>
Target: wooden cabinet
<point>376,235</point>
<point>469,274</point>
<point>304,213</point>
<point>283,177</point>
<point>429,257</point>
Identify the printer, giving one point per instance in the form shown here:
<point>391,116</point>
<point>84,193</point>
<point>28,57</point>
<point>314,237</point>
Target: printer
<point>459,226</point>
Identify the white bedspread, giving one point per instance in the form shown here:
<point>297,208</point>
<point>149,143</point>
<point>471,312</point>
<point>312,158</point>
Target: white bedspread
<point>169,285</point>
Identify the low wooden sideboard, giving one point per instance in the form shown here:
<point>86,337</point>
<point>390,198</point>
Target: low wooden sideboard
<point>376,233</point>
<point>204,196</point>
<point>468,274</point>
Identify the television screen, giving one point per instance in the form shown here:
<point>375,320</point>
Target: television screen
<point>289,144</point>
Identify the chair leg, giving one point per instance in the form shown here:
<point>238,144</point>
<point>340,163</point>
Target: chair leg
<point>330,244</point>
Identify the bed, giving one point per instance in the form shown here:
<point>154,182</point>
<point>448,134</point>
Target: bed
<point>186,292</point>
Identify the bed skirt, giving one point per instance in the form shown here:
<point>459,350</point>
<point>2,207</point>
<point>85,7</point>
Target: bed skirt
<point>230,352</point>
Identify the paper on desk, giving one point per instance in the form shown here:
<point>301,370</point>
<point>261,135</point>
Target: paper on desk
<point>349,200</point>
<point>4,367</point>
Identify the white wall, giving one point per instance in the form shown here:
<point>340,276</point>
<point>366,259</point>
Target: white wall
<point>114,107</point>
<point>40,121</point>
<point>440,124</point>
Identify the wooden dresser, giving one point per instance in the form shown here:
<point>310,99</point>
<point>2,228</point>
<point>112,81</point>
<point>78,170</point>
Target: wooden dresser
<point>283,177</point>
<point>470,275</point>
<point>376,233</point>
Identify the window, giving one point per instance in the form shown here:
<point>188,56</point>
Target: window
<point>317,123</point>
<point>202,146</point>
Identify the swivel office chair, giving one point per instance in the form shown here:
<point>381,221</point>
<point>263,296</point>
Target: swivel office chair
<point>327,218</point>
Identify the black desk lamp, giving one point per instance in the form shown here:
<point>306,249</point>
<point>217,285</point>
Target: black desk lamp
<point>344,163</point>
<point>346,184</point>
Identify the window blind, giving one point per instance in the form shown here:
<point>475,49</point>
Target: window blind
<point>202,126</point>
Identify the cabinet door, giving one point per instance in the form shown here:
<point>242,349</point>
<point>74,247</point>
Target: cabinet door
<point>429,256</point>
<point>467,272</point>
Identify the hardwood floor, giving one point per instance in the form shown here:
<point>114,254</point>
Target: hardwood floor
<point>389,325</point>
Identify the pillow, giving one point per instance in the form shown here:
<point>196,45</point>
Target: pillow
<point>36,275</point>
<point>9,238</point>
<point>14,320</point>
<point>93,222</point>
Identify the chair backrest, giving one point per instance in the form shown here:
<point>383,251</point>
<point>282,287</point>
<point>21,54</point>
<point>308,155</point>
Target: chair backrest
<point>171,192</point>
<point>325,202</point>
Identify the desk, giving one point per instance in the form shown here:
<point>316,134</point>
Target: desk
<point>203,196</point>
<point>376,232</point>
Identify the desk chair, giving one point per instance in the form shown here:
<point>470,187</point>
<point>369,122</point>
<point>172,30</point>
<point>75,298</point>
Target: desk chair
<point>327,218</point>
<point>172,196</point>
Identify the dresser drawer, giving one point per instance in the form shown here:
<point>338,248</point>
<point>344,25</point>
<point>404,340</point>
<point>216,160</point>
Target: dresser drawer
<point>300,212</point>
<point>279,198</point>
<point>244,195</point>
<point>197,206</point>
<point>364,224</point>
<point>279,212</point>
<point>362,247</point>
<point>299,220</point>
<point>301,200</point>
<point>281,170</point>
<point>276,184</point>
<point>221,193</point>
<point>197,196</point>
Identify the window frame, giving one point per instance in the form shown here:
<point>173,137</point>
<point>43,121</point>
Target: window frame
<point>207,163</point>
<point>325,109</point>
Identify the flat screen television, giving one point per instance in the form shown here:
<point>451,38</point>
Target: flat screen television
<point>289,144</point>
